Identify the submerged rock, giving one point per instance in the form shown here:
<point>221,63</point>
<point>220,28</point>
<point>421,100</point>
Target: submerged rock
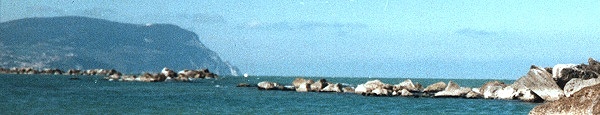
<point>585,101</point>
<point>243,85</point>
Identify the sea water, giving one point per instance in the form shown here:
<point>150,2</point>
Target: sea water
<point>58,94</point>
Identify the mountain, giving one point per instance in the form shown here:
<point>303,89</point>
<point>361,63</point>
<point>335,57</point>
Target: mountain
<point>88,43</point>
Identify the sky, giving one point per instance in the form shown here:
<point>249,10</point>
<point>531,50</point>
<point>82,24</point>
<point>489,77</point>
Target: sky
<point>362,38</point>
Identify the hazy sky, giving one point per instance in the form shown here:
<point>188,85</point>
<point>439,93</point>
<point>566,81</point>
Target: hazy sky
<point>360,38</point>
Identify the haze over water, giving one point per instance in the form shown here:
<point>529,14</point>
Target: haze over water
<point>359,38</point>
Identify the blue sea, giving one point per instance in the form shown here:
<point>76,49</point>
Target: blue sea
<point>57,94</point>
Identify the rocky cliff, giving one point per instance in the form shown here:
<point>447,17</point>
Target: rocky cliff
<point>85,43</point>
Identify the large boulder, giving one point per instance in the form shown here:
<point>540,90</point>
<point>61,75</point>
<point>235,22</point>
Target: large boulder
<point>585,101</point>
<point>436,87</point>
<point>488,90</point>
<point>576,84</point>
<point>541,83</point>
<point>452,90</point>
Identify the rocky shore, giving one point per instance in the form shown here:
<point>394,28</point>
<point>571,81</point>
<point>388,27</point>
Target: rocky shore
<point>113,75</point>
<point>550,85</point>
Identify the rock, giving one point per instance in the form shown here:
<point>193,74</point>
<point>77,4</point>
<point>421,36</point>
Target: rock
<point>507,93</point>
<point>585,101</point>
<point>361,89</point>
<point>527,95</point>
<point>128,78</point>
<point>298,81</point>
<point>370,86</point>
<point>266,85</point>
<point>436,87</point>
<point>405,92</point>
<point>243,85</point>
<point>304,87</point>
<point>332,88</point>
<point>348,90</point>
<point>488,90</point>
<point>541,83</point>
<point>52,71</point>
<point>473,95</point>
<point>557,75</point>
<point>113,77</point>
<point>287,88</point>
<point>168,72</point>
<point>190,74</point>
<point>317,86</point>
<point>183,78</point>
<point>74,72</point>
<point>576,84</point>
<point>593,65</point>
<point>406,84</point>
<point>452,90</point>
<point>380,91</point>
